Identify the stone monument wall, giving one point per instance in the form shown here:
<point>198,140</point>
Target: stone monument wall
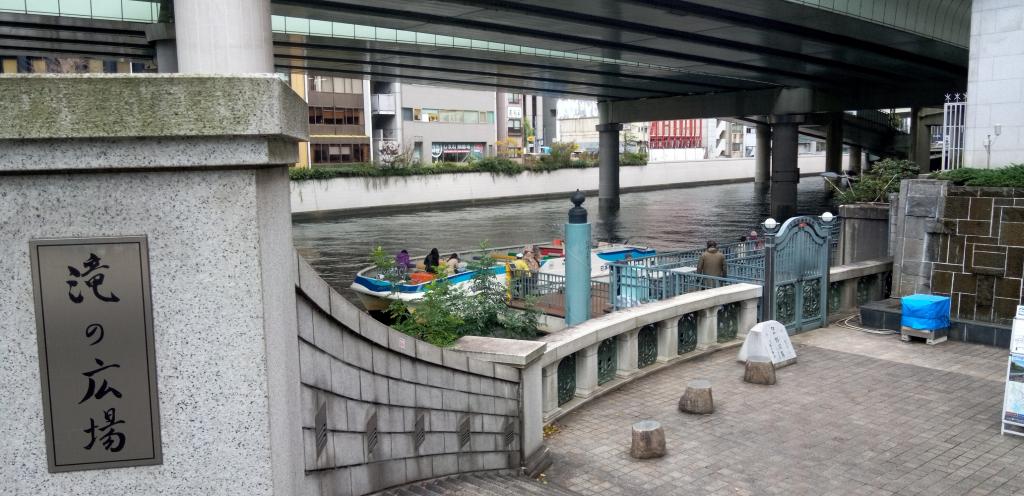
<point>397,409</point>
<point>964,242</point>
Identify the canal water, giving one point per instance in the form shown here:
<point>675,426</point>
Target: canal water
<point>339,246</point>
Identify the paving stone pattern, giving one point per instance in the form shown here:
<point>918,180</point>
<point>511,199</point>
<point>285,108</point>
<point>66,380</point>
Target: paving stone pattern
<point>481,484</point>
<point>858,414</point>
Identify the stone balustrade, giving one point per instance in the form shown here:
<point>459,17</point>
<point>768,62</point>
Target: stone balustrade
<point>857,283</point>
<point>565,369</point>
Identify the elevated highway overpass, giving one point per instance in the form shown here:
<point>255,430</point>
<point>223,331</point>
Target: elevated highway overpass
<point>783,63</point>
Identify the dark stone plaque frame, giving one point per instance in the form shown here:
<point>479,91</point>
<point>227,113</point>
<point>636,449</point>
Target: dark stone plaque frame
<point>46,368</point>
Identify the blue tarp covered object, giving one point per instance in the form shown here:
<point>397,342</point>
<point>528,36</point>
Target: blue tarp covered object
<point>921,311</point>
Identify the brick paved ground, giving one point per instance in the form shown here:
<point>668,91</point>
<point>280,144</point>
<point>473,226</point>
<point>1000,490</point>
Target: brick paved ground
<point>858,415</point>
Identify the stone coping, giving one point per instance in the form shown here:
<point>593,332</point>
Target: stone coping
<point>111,106</point>
<point>517,352</point>
<point>570,340</point>
<point>859,269</point>
<point>332,303</point>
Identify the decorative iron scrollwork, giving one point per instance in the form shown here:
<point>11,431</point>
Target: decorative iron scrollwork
<point>566,379</point>
<point>607,361</point>
<point>646,346</point>
<point>811,299</point>
<point>835,296</point>
<point>785,304</point>
<point>687,333</point>
<point>728,322</point>
<point>864,285</point>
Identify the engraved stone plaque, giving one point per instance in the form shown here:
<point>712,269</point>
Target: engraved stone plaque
<point>97,361</point>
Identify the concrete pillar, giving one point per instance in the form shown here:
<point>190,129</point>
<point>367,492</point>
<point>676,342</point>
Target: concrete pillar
<point>214,210</point>
<point>223,36</point>
<point>577,263</point>
<point>995,85</point>
<point>549,111</point>
<point>608,155</point>
<point>763,155</point>
<point>848,295</point>
<point>747,318</point>
<point>834,143</point>
<point>920,141</point>
<point>586,371</point>
<point>668,339</point>
<point>533,408</point>
<point>855,159</point>
<point>627,349</point>
<point>550,389</point>
<point>707,327</point>
<point>785,174</point>
<point>161,36</point>
<point>501,116</point>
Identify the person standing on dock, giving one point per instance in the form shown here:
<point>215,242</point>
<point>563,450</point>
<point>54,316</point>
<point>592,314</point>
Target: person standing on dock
<point>712,263</point>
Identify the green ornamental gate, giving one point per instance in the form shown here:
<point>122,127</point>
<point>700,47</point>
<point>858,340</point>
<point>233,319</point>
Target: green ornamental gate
<point>800,274</point>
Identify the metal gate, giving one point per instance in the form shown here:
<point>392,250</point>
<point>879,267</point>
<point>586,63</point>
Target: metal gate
<point>953,121</point>
<point>799,273</point>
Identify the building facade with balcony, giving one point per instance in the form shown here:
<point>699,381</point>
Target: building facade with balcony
<point>339,125</point>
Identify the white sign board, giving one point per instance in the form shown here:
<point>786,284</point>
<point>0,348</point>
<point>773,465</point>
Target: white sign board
<point>1017,337</point>
<point>769,339</point>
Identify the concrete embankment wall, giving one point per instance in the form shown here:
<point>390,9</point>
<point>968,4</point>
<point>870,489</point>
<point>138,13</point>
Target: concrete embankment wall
<point>359,193</point>
<point>395,409</point>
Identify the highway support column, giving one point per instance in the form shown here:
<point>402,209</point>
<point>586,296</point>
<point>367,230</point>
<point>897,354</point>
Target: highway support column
<point>239,30</point>
<point>920,141</point>
<point>785,174</point>
<point>608,157</point>
<point>763,156</point>
<point>834,143</point>
<point>855,159</point>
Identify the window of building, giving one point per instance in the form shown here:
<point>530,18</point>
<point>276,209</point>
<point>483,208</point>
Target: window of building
<point>447,116</point>
<point>326,84</point>
<point>406,114</point>
<point>470,117</point>
<point>513,97</point>
<point>335,116</point>
<point>450,115</point>
<point>431,115</point>
<point>339,153</point>
<point>515,123</point>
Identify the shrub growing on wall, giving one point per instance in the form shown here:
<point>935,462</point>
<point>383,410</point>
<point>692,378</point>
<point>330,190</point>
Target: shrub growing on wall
<point>1005,177</point>
<point>876,184</point>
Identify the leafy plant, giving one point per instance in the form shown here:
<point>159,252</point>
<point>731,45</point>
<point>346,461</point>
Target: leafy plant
<point>1005,177</point>
<point>447,313</point>
<point>633,158</point>
<point>876,184</point>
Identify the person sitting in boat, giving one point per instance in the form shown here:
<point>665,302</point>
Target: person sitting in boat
<point>452,264</point>
<point>402,261</point>
<point>531,261</point>
<point>519,272</point>
<point>432,261</point>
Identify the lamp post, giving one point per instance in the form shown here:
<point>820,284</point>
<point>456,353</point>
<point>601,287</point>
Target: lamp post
<point>768,291</point>
<point>989,140</point>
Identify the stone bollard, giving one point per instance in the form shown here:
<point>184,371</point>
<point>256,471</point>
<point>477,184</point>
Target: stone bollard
<point>759,370</point>
<point>697,398</point>
<point>648,440</point>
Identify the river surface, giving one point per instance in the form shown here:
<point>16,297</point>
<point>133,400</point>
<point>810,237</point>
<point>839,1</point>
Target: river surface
<point>339,246</point>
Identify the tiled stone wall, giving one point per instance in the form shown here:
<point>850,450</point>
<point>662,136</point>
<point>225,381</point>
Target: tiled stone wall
<point>964,242</point>
<point>359,369</point>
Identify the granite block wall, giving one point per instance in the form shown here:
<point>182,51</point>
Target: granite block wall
<point>963,242</point>
<point>396,410</point>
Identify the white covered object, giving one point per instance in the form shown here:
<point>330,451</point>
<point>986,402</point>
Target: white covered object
<point>769,339</point>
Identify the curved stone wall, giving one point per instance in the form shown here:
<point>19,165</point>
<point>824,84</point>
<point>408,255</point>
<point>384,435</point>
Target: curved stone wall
<point>396,409</point>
